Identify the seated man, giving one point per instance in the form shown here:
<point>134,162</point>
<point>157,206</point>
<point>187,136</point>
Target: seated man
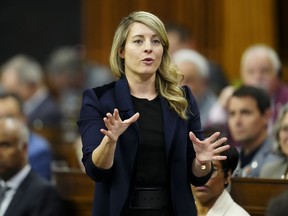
<point>196,74</point>
<point>213,198</point>
<point>39,152</point>
<point>249,112</point>
<point>25,192</point>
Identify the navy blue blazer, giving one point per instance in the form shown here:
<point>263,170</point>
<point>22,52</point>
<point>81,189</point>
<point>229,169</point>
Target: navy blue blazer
<point>113,185</point>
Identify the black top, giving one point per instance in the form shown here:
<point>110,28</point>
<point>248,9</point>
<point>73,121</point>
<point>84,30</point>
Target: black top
<point>152,162</point>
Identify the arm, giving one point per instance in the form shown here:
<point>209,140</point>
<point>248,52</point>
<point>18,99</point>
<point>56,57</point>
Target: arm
<point>103,155</point>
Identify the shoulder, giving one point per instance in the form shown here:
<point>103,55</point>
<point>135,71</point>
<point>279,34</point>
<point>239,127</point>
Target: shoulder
<point>237,210</point>
<point>101,90</point>
<point>234,208</point>
<point>33,182</point>
<point>273,168</point>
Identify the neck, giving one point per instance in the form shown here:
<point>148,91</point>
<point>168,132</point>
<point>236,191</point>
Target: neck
<point>143,88</point>
<point>204,207</point>
<point>250,145</point>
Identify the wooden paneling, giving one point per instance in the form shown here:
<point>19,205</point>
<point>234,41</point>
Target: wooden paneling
<point>246,22</point>
<point>222,28</point>
<point>254,194</point>
<point>76,190</point>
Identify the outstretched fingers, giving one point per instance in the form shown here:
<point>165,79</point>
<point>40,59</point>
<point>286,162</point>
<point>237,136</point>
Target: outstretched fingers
<point>218,151</point>
<point>132,119</point>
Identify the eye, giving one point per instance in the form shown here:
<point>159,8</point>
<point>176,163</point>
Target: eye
<point>138,41</point>
<point>5,144</point>
<point>156,41</point>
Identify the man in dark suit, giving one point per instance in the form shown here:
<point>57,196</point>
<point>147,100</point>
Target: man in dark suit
<point>27,193</point>
<point>39,151</point>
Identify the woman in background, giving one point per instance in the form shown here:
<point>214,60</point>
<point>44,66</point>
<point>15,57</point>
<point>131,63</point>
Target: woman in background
<point>278,169</point>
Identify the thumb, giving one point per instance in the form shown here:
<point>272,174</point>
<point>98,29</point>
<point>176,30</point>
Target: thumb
<point>193,138</point>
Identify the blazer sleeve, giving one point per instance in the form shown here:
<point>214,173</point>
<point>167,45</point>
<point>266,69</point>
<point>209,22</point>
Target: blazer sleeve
<point>90,123</point>
<point>194,125</point>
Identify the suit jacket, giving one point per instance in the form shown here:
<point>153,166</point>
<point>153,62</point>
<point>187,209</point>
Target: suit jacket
<point>47,112</point>
<point>114,185</point>
<point>34,197</point>
<point>262,156</point>
<point>275,169</point>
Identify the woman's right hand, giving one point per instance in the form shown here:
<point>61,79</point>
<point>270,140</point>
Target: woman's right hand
<point>115,125</point>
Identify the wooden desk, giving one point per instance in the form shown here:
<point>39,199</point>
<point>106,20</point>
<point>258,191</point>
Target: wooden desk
<point>76,190</point>
<point>253,194</point>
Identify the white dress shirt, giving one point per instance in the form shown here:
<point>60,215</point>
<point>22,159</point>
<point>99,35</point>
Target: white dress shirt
<point>13,184</point>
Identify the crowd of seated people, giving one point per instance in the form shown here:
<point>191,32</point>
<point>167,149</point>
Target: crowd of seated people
<point>254,114</point>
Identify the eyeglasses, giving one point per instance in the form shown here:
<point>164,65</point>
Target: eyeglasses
<point>215,173</point>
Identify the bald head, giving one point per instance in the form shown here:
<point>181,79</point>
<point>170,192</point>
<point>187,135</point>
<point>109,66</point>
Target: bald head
<point>13,147</point>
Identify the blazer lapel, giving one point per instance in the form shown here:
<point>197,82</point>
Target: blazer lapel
<point>18,197</point>
<point>123,99</point>
<point>170,119</point>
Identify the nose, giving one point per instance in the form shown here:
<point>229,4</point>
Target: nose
<point>148,47</point>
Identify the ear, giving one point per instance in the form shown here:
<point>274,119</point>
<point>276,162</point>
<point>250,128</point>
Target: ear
<point>121,53</point>
<point>228,178</point>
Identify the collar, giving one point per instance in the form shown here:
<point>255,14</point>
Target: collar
<point>17,179</point>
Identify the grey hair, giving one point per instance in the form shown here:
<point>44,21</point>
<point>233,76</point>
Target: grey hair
<point>27,69</point>
<point>188,55</point>
<point>271,54</point>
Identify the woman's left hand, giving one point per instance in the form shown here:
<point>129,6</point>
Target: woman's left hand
<point>208,149</point>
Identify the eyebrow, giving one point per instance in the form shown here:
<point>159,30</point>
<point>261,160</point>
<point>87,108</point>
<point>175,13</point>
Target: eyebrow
<point>142,36</point>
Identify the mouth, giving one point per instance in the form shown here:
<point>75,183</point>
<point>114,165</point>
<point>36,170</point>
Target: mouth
<point>201,188</point>
<point>148,60</point>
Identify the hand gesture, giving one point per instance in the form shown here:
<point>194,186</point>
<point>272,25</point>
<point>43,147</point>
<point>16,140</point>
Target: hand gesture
<point>208,149</point>
<point>115,126</point>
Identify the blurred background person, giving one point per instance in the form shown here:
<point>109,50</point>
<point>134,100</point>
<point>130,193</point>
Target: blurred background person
<point>25,192</point>
<point>40,154</point>
<point>24,76</point>
<point>68,74</point>
<point>213,198</point>
<point>279,169</point>
<point>277,206</point>
<point>196,73</point>
<point>260,67</point>
<point>180,37</point>
<point>249,111</point>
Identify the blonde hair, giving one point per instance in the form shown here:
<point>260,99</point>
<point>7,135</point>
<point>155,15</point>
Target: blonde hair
<point>167,76</point>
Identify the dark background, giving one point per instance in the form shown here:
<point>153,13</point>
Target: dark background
<point>38,27</point>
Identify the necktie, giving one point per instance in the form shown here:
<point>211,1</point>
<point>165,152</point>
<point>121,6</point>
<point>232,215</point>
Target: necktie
<point>3,191</point>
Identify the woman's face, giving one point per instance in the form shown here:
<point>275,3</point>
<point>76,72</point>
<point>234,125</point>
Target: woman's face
<point>209,193</point>
<point>283,134</point>
<point>142,52</point>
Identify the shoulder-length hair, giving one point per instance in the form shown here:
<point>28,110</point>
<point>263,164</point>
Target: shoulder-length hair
<point>167,75</point>
<point>277,127</point>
